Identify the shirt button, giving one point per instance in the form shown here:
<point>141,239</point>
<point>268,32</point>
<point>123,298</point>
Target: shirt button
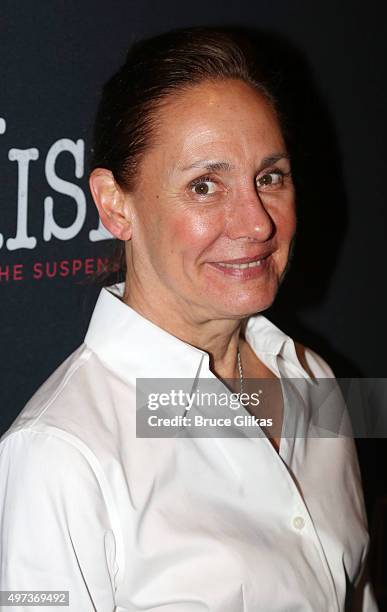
<point>298,522</point>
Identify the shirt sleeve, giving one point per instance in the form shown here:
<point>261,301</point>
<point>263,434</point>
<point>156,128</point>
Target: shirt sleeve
<point>55,532</point>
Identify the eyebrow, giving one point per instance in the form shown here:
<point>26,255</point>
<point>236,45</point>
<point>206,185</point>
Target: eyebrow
<point>213,166</point>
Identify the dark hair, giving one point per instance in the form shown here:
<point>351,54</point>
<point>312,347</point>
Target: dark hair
<point>155,68</point>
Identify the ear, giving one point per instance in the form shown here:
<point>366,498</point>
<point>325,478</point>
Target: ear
<point>112,203</point>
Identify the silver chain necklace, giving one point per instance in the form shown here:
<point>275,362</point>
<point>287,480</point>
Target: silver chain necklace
<point>240,370</point>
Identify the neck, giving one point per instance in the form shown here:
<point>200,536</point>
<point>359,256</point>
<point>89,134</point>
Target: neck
<point>220,338</point>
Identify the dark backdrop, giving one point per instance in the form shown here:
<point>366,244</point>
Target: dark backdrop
<point>54,59</point>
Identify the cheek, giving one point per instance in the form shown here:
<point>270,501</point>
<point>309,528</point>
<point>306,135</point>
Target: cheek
<point>193,232</point>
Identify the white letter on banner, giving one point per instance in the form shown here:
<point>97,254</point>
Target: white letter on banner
<point>23,158</point>
<point>51,228</point>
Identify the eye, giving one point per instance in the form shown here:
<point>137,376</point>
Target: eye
<point>275,179</point>
<point>202,186</point>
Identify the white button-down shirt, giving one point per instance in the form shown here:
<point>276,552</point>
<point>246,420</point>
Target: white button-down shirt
<point>178,524</point>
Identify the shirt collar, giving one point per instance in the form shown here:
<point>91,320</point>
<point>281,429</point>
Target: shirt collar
<point>135,347</point>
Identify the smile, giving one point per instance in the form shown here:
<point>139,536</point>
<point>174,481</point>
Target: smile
<point>241,266</point>
<point>243,270</point>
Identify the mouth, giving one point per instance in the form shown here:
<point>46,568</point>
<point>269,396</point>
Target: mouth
<point>243,262</point>
<point>241,266</point>
<point>244,267</point>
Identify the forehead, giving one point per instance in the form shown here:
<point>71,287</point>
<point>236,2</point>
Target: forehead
<point>217,117</point>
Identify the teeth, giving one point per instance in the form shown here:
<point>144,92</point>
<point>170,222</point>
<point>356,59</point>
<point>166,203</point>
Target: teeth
<point>242,266</point>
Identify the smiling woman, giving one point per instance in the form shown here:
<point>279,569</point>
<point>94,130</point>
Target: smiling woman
<point>230,218</point>
<point>192,174</point>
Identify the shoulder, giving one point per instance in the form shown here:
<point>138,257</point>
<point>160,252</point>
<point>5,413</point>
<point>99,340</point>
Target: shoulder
<point>77,389</point>
<point>312,362</point>
<point>49,395</point>
<point>82,401</point>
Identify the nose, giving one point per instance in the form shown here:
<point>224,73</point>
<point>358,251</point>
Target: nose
<point>247,217</point>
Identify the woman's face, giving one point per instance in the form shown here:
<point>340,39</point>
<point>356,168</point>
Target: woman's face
<point>213,190</point>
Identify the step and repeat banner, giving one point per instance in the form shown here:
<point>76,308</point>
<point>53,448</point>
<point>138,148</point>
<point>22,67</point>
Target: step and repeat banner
<point>55,57</point>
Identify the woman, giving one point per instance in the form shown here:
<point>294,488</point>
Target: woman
<point>191,172</point>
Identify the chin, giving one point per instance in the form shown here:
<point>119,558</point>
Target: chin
<point>244,298</point>
<point>244,307</point>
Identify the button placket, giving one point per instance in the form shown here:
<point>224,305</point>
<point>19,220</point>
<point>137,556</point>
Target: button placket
<point>298,521</point>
